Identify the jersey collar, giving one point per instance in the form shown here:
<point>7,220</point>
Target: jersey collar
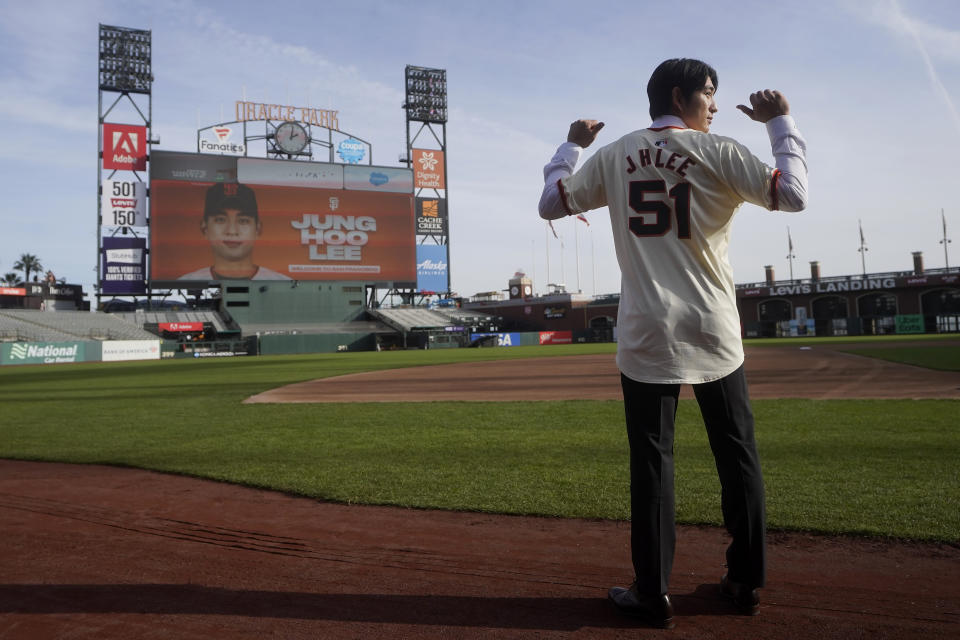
<point>668,122</point>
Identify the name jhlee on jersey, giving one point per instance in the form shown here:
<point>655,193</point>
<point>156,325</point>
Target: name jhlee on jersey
<point>675,162</point>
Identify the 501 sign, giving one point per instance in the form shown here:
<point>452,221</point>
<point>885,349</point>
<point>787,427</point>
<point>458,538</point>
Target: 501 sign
<point>124,203</point>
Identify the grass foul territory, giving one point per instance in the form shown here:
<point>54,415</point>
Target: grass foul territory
<point>874,467</point>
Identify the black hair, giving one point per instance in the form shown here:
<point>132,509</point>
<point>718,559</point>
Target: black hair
<point>230,195</point>
<point>688,74</point>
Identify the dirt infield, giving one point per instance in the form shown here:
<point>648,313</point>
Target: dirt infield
<point>97,552</point>
<point>772,372</point>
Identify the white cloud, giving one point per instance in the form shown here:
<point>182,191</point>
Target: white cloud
<point>939,41</point>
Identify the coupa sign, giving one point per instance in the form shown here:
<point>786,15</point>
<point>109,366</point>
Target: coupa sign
<point>42,352</point>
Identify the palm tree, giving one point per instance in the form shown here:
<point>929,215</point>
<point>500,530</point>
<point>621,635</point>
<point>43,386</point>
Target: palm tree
<point>10,279</point>
<point>27,263</point>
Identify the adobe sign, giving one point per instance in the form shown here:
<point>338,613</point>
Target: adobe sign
<point>124,147</point>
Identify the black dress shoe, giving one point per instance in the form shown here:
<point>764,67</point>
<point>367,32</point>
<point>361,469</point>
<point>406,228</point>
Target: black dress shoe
<point>745,598</point>
<point>655,611</point>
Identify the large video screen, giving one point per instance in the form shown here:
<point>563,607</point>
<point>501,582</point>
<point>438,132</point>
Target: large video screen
<point>218,218</point>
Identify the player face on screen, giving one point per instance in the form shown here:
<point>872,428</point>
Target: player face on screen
<point>231,233</point>
<point>231,223</point>
<point>697,110</point>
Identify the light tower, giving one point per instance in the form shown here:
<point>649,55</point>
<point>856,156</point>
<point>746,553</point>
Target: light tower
<point>426,111</point>
<point>124,72</point>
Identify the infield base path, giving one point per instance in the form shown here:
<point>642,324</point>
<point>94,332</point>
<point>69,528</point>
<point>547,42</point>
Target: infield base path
<point>106,553</point>
<point>772,372</point>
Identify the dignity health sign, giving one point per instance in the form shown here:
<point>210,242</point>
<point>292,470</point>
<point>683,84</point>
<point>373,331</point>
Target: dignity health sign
<point>428,172</point>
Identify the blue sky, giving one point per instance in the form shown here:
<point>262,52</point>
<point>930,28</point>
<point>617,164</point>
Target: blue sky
<point>874,86</point>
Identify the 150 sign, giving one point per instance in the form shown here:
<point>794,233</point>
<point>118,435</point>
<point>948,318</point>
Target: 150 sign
<point>124,203</point>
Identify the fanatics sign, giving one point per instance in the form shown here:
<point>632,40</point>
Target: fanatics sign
<point>124,147</point>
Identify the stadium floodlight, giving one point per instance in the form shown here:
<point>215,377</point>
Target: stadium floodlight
<point>426,99</point>
<point>125,60</point>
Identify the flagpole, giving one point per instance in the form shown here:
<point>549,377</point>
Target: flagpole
<point>546,236</point>
<point>945,241</point>
<point>863,248</point>
<point>533,261</point>
<point>790,255</point>
<point>576,249</point>
<point>563,277</point>
<point>593,267</point>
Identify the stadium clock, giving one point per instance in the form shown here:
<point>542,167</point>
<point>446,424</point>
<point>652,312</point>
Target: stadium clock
<point>291,137</point>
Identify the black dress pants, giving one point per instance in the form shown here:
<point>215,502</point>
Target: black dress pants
<point>725,406</point>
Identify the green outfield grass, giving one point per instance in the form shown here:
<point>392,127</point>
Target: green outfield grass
<point>941,357</point>
<point>877,467</point>
<point>842,341</point>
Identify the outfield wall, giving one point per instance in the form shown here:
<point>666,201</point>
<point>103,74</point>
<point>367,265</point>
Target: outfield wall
<point>283,344</point>
<point>17,353</point>
<point>530,338</point>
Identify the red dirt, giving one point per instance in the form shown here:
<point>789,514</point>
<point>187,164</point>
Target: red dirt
<point>98,552</point>
<point>772,372</point>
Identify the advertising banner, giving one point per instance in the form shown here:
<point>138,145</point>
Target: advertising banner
<point>289,173</point>
<point>13,291</point>
<point>221,140</point>
<point>192,167</point>
<point>367,178</point>
<point>432,268</point>
<point>124,147</point>
<point>503,339</point>
<point>351,151</point>
<point>431,216</point>
<point>556,337</point>
<point>181,326</point>
<point>124,203</point>
<point>124,265</point>
<point>909,323</point>
<point>41,352</point>
<point>116,350</point>
<point>282,221</point>
<point>428,169</point>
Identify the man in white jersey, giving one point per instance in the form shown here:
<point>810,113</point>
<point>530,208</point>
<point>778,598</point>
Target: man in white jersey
<point>672,190</point>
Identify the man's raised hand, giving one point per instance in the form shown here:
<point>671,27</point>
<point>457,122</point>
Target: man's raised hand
<point>766,105</point>
<point>583,132</point>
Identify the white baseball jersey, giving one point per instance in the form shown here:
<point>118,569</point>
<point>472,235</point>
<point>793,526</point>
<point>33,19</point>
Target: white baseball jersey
<point>672,193</point>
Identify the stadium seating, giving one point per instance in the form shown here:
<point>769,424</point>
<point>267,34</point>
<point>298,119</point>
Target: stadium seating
<point>412,319</point>
<point>141,317</point>
<point>59,326</point>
